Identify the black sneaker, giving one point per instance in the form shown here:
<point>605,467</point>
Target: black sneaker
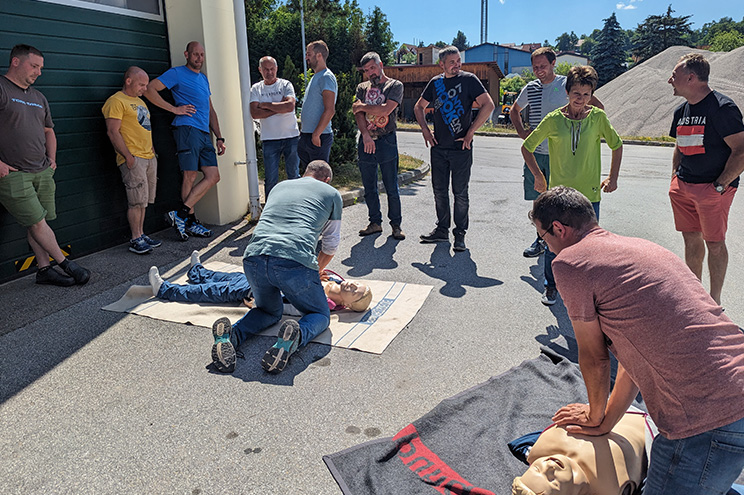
<point>287,342</point>
<point>459,243</point>
<point>223,352</point>
<point>550,296</point>
<point>536,249</point>
<point>434,236</point>
<point>80,274</point>
<point>50,276</point>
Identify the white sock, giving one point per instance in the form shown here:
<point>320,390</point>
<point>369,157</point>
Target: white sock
<point>195,260</point>
<point>155,280</point>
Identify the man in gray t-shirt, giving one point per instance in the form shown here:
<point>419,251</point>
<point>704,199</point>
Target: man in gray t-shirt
<point>375,109</point>
<point>281,259</point>
<point>28,151</point>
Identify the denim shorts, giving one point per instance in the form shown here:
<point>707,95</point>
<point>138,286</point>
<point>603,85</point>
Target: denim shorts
<point>194,148</point>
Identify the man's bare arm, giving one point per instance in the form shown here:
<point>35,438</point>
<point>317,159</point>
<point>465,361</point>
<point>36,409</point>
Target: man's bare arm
<point>152,93</point>
<point>380,110</point>
<point>329,110</point>
<point>735,163</point>
<point>596,103</point>
<point>214,125</point>
<point>419,110</point>
<point>515,114</point>
<point>113,130</point>
<point>486,109</point>
<point>50,143</point>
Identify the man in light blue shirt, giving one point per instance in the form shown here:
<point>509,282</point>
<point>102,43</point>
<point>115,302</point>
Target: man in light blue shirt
<point>318,107</point>
<point>280,258</point>
<point>195,117</point>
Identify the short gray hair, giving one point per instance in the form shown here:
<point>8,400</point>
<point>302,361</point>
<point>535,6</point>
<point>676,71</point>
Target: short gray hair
<point>448,50</point>
<point>266,58</point>
<point>370,57</point>
<point>318,169</point>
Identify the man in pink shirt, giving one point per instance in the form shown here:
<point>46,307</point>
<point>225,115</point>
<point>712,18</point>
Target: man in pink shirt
<point>672,342</point>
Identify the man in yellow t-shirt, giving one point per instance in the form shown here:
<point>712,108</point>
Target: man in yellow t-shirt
<point>129,129</point>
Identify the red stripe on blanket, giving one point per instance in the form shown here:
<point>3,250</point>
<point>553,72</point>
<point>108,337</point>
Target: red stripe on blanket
<point>430,468</point>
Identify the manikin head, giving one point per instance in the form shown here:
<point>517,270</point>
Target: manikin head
<point>353,295</point>
<point>557,474</point>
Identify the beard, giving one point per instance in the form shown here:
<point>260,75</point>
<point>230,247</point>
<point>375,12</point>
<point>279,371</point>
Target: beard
<point>375,80</point>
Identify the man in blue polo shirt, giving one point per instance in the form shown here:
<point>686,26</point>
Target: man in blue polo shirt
<point>195,117</point>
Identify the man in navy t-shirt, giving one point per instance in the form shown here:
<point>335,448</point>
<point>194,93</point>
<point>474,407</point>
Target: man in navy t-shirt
<point>707,162</point>
<point>452,95</point>
<point>195,117</point>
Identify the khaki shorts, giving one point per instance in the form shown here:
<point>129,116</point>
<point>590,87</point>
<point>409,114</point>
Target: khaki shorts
<point>29,197</point>
<point>140,181</point>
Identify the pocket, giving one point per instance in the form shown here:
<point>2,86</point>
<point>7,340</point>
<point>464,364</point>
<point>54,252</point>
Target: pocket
<point>725,461</point>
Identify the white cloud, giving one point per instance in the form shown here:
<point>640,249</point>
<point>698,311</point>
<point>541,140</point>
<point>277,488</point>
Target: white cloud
<point>502,2</point>
<point>622,6</point>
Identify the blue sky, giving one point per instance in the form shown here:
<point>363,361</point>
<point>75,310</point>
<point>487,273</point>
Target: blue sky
<point>510,21</point>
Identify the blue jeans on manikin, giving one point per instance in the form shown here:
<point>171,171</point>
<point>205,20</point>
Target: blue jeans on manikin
<point>386,157</point>
<point>550,256</point>
<point>269,277</point>
<point>273,149</point>
<point>207,286</point>
<point>704,464</point>
<point>454,163</point>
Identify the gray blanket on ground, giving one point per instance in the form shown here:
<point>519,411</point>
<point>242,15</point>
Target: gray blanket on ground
<point>460,446</point>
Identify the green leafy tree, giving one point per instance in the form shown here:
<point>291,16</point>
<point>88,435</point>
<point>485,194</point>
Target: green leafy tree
<point>289,70</point>
<point>344,148</point>
<point>726,41</point>
<point>659,32</point>
<point>440,44</point>
<point>379,36</point>
<point>562,68</point>
<point>460,41</point>
<point>566,42</point>
<point>706,34</point>
<point>609,56</point>
<point>513,84</point>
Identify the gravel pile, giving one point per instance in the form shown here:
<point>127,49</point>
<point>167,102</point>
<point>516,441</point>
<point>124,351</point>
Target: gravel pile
<point>641,102</point>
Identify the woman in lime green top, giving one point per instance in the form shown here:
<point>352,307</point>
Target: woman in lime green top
<point>574,134</point>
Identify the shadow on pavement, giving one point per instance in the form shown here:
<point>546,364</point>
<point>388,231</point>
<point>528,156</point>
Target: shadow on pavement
<point>364,257</point>
<point>457,270</point>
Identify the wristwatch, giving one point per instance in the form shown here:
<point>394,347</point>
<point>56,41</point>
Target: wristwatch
<point>221,139</point>
<point>720,188</point>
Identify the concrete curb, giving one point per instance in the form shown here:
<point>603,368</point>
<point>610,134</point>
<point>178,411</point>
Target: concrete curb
<point>352,196</point>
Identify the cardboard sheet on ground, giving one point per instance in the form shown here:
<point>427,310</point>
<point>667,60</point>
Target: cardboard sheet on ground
<point>460,446</point>
<point>394,304</point>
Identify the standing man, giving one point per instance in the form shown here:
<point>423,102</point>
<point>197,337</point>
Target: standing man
<point>130,132</point>
<point>672,341</point>
<point>707,162</point>
<point>318,107</point>
<point>195,117</point>
<point>542,96</point>
<point>375,110</point>
<point>452,94</point>
<point>280,258</point>
<point>28,150</point>
<point>273,102</point>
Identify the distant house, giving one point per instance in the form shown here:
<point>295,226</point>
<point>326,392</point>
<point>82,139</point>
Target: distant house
<point>511,60</point>
<point>427,55</point>
<point>572,58</point>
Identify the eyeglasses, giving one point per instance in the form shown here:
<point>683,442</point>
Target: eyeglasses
<point>549,231</point>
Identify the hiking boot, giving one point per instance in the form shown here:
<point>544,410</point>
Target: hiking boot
<point>372,228</point>
<point>434,236</point>
<point>156,281</point>
<point>287,342</point>
<point>80,274</point>
<point>196,228</point>
<point>139,246</point>
<point>177,223</point>
<point>151,242</point>
<point>459,243</point>
<point>397,233</point>
<point>223,352</point>
<point>536,249</point>
<point>50,276</point>
<point>550,296</point>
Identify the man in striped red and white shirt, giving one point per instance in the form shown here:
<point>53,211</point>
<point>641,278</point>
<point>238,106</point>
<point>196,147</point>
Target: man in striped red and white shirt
<point>707,162</point>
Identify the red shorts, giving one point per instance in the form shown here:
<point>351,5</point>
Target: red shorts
<point>699,208</point>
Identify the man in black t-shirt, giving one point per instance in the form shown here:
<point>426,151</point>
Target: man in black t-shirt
<point>707,162</point>
<point>452,95</point>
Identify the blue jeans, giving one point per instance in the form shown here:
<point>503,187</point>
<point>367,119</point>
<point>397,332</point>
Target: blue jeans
<point>550,256</point>
<point>207,286</point>
<point>269,277</point>
<point>272,150</point>
<point>705,464</point>
<point>453,163</point>
<point>386,156</point>
<point>308,152</point>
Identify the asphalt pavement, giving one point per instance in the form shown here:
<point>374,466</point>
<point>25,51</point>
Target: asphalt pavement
<point>99,402</point>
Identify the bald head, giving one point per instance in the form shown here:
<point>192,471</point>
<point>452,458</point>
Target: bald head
<point>194,56</point>
<point>135,81</point>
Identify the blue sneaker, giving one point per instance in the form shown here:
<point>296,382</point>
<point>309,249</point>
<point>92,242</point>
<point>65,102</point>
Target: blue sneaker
<point>139,246</point>
<point>196,228</point>
<point>177,223</point>
<point>150,241</point>
<point>223,352</point>
<point>287,342</point>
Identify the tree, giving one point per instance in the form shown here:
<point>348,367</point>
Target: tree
<point>566,42</point>
<point>589,42</point>
<point>608,56</point>
<point>379,36</point>
<point>440,44</point>
<point>563,68</point>
<point>726,41</point>
<point>659,32</point>
<point>706,34</point>
<point>460,41</point>
<point>289,70</point>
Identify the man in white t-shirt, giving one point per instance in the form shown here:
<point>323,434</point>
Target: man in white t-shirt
<point>273,103</point>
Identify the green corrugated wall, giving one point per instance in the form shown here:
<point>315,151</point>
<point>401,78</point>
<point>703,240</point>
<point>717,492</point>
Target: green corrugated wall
<point>85,55</point>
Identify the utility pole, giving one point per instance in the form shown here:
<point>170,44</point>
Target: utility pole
<point>484,21</point>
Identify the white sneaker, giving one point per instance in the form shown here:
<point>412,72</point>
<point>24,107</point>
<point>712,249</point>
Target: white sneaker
<point>156,281</point>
